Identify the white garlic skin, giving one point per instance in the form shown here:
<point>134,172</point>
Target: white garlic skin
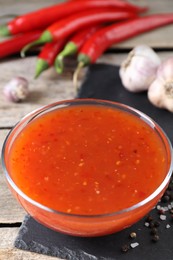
<point>160,92</point>
<point>16,89</point>
<point>138,71</point>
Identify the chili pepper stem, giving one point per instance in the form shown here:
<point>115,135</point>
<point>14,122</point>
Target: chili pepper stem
<point>44,38</point>
<point>68,50</point>
<point>4,31</point>
<point>41,65</point>
<point>84,59</point>
<point>76,74</point>
<point>59,64</point>
<point>27,47</point>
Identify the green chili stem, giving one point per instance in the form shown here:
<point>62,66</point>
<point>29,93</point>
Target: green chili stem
<point>69,49</point>
<point>41,65</point>
<point>44,38</point>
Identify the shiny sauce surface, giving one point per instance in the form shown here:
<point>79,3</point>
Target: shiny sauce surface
<point>87,159</point>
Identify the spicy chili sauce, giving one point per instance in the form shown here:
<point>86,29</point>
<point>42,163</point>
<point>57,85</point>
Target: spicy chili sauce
<point>87,159</point>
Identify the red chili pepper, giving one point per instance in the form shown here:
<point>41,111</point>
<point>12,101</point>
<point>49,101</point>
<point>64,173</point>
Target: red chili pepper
<point>47,56</point>
<point>74,45</point>
<point>15,44</point>
<point>67,26</point>
<point>119,32</point>
<point>42,18</point>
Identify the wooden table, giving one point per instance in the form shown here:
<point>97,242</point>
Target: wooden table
<point>49,88</point>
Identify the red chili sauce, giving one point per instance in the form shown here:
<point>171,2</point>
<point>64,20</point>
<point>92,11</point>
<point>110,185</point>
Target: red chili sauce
<point>87,159</point>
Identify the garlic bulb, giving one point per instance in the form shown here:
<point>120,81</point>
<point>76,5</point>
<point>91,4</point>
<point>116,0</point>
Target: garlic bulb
<point>160,92</point>
<point>16,89</point>
<point>139,69</point>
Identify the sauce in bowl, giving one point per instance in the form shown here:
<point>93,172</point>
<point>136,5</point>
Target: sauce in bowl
<point>88,159</point>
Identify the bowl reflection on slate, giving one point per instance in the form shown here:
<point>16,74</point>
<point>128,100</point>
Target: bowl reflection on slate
<point>107,202</point>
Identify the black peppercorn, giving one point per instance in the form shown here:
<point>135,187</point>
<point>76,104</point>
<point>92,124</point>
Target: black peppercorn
<point>171,211</point>
<point>149,218</point>
<point>167,192</point>
<point>156,223</point>
<point>155,238</point>
<point>161,211</point>
<point>171,196</point>
<point>170,187</point>
<point>125,248</point>
<point>154,231</point>
<point>152,224</point>
<point>165,198</point>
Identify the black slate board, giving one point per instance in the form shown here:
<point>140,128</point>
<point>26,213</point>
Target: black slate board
<point>103,82</point>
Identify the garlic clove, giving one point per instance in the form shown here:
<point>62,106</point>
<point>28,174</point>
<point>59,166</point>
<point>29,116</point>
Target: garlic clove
<point>139,69</point>
<point>16,89</point>
<point>156,93</point>
<point>165,70</point>
<point>160,93</point>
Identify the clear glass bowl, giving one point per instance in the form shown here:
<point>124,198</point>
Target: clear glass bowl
<point>86,225</point>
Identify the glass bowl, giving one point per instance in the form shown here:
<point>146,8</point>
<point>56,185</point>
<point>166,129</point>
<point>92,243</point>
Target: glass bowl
<point>87,223</point>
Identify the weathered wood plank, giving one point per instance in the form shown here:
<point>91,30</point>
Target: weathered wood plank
<point>8,236</point>
<point>11,211</point>
<point>7,250</point>
<point>21,7</point>
<point>15,254</point>
<point>3,134</point>
<point>158,38</point>
<point>48,88</point>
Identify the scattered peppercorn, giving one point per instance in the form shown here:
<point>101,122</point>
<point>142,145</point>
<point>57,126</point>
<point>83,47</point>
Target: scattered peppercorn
<point>125,248</point>
<point>165,198</point>
<point>152,224</point>
<point>155,238</point>
<point>167,192</point>
<point>154,231</point>
<point>149,218</point>
<point>170,187</point>
<point>156,223</point>
<point>133,235</point>
<point>161,211</point>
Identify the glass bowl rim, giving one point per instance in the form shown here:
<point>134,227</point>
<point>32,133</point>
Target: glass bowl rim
<point>47,108</point>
